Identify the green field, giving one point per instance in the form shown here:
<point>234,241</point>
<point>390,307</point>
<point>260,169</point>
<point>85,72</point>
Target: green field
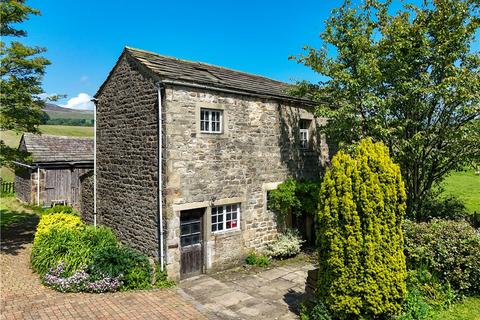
<point>465,186</point>
<point>12,139</point>
<point>70,131</point>
<point>469,309</point>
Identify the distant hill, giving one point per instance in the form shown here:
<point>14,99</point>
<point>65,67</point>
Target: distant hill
<point>50,107</point>
<point>64,116</point>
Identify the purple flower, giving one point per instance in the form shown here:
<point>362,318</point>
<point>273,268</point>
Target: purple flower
<point>80,281</point>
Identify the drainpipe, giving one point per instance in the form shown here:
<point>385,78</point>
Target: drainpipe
<point>94,162</point>
<point>38,186</point>
<point>160,173</point>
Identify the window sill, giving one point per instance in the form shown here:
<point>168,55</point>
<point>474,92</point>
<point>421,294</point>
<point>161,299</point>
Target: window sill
<point>226,232</point>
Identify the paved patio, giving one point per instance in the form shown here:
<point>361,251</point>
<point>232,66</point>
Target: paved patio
<point>238,294</point>
<point>24,297</point>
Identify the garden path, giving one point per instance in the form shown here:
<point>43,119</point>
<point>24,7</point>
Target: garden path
<point>238,293</point>
<point>24,297</point>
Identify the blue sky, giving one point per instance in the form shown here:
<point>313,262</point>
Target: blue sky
<point>85,38</point>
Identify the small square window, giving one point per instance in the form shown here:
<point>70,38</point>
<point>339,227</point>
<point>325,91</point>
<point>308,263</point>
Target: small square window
<point>226,217</point>
<point>304,133</point>
<point>211,121</point>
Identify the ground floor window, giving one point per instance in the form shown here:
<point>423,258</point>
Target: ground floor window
<point>226,217</point>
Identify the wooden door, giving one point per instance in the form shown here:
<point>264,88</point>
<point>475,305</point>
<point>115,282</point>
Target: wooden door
<point>57,186</point>
<point>191,242</point>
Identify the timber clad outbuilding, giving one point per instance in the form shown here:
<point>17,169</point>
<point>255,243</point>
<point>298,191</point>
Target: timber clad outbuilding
<point>53,175</point>
<point>226,138</point>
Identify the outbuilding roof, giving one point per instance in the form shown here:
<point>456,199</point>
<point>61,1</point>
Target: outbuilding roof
<point>215,77</point>
<point>48,148</point>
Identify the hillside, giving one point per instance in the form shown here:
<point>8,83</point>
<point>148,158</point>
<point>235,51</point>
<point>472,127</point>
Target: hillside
<point>58,115</point>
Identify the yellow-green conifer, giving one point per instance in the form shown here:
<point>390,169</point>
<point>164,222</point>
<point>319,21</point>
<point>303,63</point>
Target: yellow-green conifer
<point>360,239</point>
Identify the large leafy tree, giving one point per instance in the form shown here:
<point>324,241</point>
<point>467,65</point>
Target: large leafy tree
<point>409,79</point>
<point>21,71</point>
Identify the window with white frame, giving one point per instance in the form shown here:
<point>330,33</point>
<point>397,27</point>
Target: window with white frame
<point>211,120</point>
<point>226,217</point>
<point>304,138</point>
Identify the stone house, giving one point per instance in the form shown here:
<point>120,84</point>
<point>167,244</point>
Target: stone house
<point>53,174</point>
<point>227,138</point>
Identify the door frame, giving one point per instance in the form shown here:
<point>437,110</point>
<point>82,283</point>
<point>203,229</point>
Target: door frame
<point>203,241</point>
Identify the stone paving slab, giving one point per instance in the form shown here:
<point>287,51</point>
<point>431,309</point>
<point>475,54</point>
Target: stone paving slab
<point>24,297</point>
<point>267,294</point>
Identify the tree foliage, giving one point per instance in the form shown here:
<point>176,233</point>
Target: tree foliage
<point>21,72</point>
<point>409,79</point>
<point>359,234</point>
<point>295,196</point>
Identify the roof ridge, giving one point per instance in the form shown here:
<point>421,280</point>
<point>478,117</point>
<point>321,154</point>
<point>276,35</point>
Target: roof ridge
<point>54,136</point>
<point>206,64</point>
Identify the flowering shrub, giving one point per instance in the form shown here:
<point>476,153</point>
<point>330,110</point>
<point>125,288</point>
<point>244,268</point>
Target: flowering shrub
<point>74,257</point>
<point>52,221</point>
<point>287,245</point>
<point>449,249</point>
<point>75,247</point>
<point>80,281</point>
<point>131,265</point>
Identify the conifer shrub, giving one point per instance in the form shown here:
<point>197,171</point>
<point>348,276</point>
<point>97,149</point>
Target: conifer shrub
<point>360,235</point>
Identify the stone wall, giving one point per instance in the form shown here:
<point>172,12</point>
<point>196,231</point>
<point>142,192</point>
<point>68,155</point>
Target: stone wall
<point>258,149</point>
<point>127,157</point>
<point>86,197</point>
<point>23,185</point>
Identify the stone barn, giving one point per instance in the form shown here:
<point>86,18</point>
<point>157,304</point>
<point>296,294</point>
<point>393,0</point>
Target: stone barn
<point>53,174</point>
<point>186,153</point>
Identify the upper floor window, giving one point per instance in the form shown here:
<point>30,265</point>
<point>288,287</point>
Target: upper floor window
<point>211,120</point>
<point>304,133</point>
<point>226,217</point>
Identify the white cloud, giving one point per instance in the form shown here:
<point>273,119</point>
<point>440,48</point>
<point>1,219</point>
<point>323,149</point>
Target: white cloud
<point>81,102</point>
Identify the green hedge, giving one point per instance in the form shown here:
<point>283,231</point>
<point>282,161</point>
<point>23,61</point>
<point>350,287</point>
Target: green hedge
<point>449,249</point>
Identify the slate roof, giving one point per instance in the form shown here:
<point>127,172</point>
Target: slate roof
<point>48,148</point>
<point>173,69</point>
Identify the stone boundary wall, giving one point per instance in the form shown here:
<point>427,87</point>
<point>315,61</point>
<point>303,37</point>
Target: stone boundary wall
<point>86,197</point>
<point>23,185</point>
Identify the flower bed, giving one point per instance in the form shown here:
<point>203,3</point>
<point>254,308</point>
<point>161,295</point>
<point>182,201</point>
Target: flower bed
<point>73,257</point>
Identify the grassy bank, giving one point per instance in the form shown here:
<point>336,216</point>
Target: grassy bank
<point>465,186</point>
<point>468,309</point>
<point>12,211</point>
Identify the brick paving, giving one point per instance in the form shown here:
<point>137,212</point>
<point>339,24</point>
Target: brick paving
<point>24,297</point>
